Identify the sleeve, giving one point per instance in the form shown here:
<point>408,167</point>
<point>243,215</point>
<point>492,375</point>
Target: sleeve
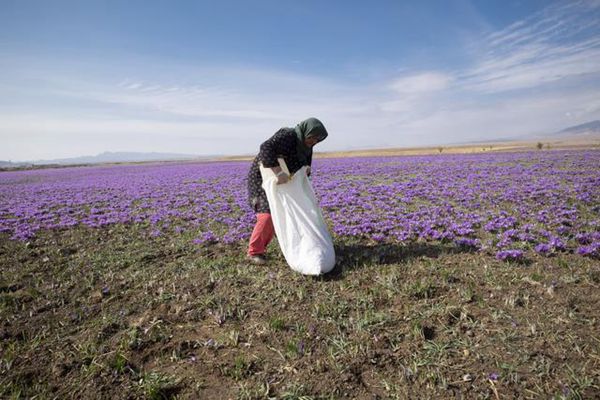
<point>309,161</point>
<point>275,146</point>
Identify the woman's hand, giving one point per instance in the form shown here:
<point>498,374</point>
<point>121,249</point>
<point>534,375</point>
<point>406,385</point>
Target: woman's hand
<point>308,171</point>
<point>282,178</point>
<point>280,174</point>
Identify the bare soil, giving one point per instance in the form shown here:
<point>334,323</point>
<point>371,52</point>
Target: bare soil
<point>112,313</point>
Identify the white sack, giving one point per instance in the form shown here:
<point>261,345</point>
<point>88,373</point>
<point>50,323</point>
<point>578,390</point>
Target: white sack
<point>299,225</point>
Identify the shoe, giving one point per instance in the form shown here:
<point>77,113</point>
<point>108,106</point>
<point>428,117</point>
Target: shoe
<point>257,259</point>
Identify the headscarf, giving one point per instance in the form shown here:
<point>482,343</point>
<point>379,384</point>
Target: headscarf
<point>309,128</point>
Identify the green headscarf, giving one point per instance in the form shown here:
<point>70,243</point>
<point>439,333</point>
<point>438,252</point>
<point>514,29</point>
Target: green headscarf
<point>309,128</point>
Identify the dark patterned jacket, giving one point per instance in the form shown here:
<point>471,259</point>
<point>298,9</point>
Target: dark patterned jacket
<point>281,145</point>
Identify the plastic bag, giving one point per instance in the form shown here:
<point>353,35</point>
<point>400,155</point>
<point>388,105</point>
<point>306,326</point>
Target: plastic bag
<point>299,225</point>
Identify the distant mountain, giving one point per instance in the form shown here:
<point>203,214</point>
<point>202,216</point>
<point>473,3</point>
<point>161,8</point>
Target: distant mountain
<point>107,157</point>
<point>589,128</point>
<point>10,164</point>
<point>112,157</point>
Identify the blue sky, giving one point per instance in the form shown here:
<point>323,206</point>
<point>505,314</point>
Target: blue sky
<point>83,77</point>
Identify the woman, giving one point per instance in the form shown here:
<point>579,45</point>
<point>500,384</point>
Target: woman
<point>294,145</point>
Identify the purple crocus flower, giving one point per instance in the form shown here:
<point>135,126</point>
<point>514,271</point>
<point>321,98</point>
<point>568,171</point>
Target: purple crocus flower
<point>493,376</point>
<point>543,248</point>
<point>509,255</point>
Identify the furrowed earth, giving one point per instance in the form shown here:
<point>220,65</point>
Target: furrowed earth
<point>116,312</point>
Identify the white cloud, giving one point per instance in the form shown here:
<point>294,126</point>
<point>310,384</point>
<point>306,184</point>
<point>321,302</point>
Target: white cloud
<point>421,82</point>
<point>558,43</point>
<point>506,118</point>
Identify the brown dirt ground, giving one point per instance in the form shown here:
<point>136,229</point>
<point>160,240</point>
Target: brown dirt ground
<point>112,313</point>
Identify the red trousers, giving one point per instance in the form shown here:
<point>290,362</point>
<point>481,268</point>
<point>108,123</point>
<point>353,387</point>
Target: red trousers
<point>261,235</point>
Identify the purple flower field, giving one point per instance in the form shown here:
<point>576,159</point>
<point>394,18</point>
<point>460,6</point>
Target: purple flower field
<point>507,205</point>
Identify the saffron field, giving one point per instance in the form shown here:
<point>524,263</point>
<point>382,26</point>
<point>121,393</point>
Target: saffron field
<point>505,204</point>
<point>472,276</point>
